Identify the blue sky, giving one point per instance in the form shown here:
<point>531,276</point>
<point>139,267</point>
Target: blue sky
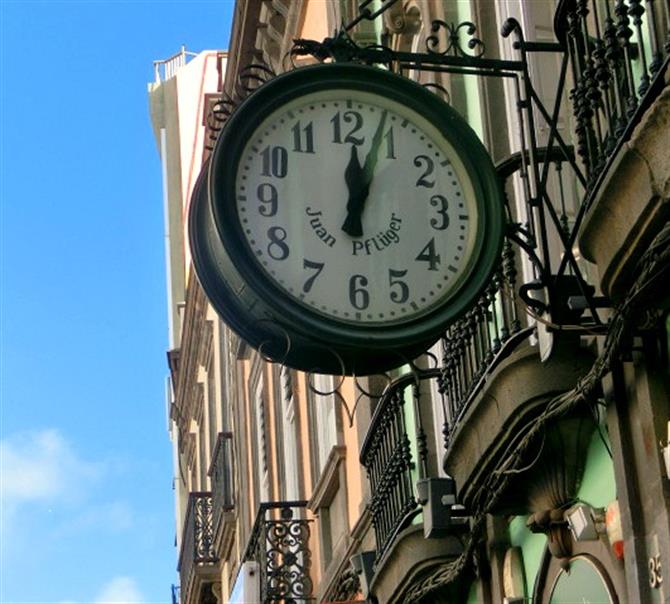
<point>86,479</point>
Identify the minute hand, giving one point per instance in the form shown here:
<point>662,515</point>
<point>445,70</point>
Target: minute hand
<point>373,154</point>
<point>359,194</point>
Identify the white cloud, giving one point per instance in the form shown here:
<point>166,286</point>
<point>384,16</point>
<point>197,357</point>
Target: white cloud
<point>42,466</point>
<point>119,590</point>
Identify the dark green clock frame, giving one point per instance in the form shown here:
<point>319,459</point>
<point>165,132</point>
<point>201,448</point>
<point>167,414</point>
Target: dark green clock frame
<point>263,314</point>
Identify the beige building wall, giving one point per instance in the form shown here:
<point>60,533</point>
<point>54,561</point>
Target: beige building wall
<point>176,100</point>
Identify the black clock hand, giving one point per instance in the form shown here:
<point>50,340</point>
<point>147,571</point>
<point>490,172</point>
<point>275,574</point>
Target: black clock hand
<point>373,154</point>
<point>354,176</point>
<point>358,181</point>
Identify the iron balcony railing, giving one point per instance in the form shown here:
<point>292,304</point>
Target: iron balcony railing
<point>387,457</point>
<point>475,344</point>
<point>618,53</point>
<point>221,473</point>
<point>395,452</point>
<point>197,546</point>
<point>279,542</point>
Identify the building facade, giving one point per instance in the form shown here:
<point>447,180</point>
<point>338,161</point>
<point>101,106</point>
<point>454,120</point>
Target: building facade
<point>525,457</point>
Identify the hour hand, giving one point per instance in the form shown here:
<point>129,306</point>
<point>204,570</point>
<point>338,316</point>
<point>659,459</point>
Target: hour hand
<point>358,181</point>
<point>354,176</point>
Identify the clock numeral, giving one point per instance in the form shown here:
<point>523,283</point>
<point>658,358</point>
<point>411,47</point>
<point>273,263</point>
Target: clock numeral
<point>401,294</point>
<point>419,162</point>
<point>318,267</point>
<point>440,202</point>
<point>277,248</point>
<point>350,117</point>
<point>308,138</point>
<point>390,146</point>
<point>275,161</point>
<point>428,254</point>
<point>358,295</point>
<point>267,194</point>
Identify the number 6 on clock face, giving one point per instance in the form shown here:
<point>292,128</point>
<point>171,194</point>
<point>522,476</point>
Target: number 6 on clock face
<point>356,206</point>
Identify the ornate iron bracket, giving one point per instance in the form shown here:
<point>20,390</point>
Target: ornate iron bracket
<point>456,49</point>
<point>449,55</point>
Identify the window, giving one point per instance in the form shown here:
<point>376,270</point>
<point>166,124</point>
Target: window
<point>290,441</point>
<point>323,414</point>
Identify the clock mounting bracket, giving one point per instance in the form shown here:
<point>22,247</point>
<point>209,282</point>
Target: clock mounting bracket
<point>445,53</point>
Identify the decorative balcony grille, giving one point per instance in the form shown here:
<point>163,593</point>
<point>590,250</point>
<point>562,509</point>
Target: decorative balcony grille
<point>221,473</point>
<point>197,547</point>
<point>618,53</point>
<point>279,542</point>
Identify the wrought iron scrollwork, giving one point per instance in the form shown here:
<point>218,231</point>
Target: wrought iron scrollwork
<point>249,79</point>
<point>203,547</point>
<point>342,48</point>
<point>450,42</point>
<point>361,392</point>
<point>279,542</point>
<point>217,117</point>
<point>439,90</point>
<point>368,14</point>
<point>252,77</point>
<point>288,559</point>
<point>197,548</point>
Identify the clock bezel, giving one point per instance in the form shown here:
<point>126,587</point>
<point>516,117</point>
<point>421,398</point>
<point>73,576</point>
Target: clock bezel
<point>302,323</point>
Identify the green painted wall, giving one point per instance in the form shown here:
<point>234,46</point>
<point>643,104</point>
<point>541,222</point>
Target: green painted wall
<point>532,547</point>
<point>471,84</point>
<point>598,487</point>
<point>472,594</point>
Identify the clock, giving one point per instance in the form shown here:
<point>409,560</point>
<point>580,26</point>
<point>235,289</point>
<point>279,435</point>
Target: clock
<point>351,215</point>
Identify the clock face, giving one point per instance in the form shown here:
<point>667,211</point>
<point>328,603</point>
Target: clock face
<point>356,207</point>
<point>349,216</point>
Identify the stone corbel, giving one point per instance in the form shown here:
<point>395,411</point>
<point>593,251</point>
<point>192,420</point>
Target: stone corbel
<point>553,524</point>
<point>402,18</point>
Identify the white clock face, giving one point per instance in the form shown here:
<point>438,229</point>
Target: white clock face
<point>355,206</point>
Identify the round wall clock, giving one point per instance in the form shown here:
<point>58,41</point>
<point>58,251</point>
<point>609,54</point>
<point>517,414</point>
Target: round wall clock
<point>353,215</point>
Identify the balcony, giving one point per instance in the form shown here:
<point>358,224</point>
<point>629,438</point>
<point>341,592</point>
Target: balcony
<point>279,543</point>
<point>221,473</point>
<point>388,459</point>
<point>409,502</point>
<point>197,559</point>
<point>619,55</point>
<point>168,68</point>
<point>477,343</point>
